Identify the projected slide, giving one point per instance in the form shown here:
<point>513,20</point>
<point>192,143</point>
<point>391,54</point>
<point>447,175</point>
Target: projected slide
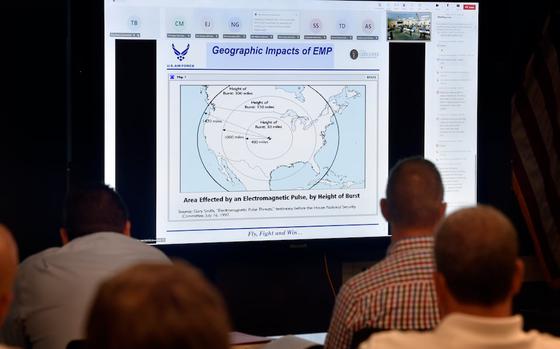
<point>284,147</point>
<point>272,117</point>
<point>272,137</point>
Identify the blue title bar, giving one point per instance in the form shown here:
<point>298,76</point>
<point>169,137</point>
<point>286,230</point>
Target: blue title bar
<point>270,56</point>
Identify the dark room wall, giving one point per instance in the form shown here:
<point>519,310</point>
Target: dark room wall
<point>32,121</point>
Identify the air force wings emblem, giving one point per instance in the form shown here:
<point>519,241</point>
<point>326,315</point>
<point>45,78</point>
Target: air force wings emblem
<point>180,54</point>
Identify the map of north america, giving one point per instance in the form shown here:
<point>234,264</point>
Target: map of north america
<point>270,137</point>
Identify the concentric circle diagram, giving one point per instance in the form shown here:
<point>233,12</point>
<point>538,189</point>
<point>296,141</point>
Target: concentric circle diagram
<point>267,137</point>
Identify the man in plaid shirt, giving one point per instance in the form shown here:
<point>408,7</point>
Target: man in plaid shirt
<point>398,292</point>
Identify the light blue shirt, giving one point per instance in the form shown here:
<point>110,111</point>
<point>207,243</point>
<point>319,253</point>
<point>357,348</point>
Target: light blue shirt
<point>54,288</point>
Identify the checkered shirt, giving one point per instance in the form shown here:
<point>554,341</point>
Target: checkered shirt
<point>396,293</point>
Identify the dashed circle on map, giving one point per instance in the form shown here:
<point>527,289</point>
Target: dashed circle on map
<point>254,131</point>
<point>269,138</point>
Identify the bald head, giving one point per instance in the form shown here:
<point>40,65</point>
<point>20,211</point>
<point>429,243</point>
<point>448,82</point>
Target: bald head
<point>8,268</point>
<point>476,252</point>
<point>414,196</point>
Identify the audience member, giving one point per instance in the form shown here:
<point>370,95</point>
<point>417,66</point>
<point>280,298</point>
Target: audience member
<point>55,287</point>
<point>398,292</point>
<point>158,306</point>
<point>478,273</point>
<point>8,267</point>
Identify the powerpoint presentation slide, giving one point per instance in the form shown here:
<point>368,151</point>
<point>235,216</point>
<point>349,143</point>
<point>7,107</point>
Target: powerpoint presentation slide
<point>409,26</point>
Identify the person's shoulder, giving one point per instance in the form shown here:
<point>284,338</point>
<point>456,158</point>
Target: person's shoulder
<point>108,239</point>
<point>139,248</point>
<point>37,259</point>
<point>545,340</point>
<point>372,277</point>
<point>399,339</point>
<point>362,279</point>
<point>133,244</point>
<point>105,244</point>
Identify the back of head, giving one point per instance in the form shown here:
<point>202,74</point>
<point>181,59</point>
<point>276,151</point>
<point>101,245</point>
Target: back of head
<point>8,268</point>
<point>476,252</point>
<point>158,306</point>
<point>414,194</point>
<point>92,209</point>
